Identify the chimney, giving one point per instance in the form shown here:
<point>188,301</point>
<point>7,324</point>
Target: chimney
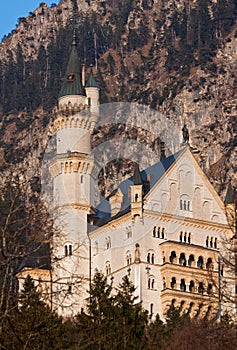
<point>83,75</point>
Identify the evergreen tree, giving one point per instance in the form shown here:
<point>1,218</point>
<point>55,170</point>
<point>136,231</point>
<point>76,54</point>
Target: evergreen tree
<point>131,318</point>
<point>34,325</point>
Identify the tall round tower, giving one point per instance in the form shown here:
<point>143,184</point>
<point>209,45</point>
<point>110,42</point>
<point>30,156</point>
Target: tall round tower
<point>73,184</point>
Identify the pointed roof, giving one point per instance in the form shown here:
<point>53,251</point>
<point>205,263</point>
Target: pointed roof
<point>229,198</point>
<point>137,179</point>
<point>91,81</point>
<point>72,84</point>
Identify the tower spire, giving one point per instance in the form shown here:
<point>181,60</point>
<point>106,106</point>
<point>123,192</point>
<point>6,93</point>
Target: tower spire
<point>72,84</point>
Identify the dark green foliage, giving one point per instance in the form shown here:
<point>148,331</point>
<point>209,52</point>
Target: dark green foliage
<point>33,325</point>
<point>191,39</point>
<point>111,321</point>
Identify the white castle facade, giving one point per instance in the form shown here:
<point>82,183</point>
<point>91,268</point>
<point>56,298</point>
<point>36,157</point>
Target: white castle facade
<point>163,227</point>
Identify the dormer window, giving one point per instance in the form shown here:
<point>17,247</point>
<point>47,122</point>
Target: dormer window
<point>70,77</point>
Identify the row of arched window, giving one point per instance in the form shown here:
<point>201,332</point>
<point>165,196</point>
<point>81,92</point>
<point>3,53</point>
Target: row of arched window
<point>185,237</point>
<point>211,242</point>
<point>190,261</point>
<point>184,205</point>
<point>191,286</point>
<point>158,232</point>
<point>151,258</point>
<point>192,308</point>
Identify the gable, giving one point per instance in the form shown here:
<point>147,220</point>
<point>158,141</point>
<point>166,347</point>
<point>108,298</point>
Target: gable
<point>184,190</point>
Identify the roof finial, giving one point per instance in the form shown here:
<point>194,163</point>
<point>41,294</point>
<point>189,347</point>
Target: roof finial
<point>74,37</point>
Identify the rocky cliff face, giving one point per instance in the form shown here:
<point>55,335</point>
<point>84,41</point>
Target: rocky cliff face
<point>177,57</point>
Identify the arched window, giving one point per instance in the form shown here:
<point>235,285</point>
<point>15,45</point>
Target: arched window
<point>154,231</point>
<point>182,285</point>
<point>163,233</point>
<point>209,265</point>
<point>209,288</point>
<point>128,258</point>
<point>188,205</point>
<point>200,262</point>
<point>182,259</point>
<point>153,258</point>
<point>173,257</point>
<point>191,287</point>
<point>211,242</point>
<point>158,232</point>
<point>180,204</point>
<point>190,260</point>
<point>185,237</point>
<point>200,288</point>
<point>185,208</point>
<point>181,306</point>
<point>215,243</point>
<point>136,197</point>
<point>68,249</point>
<point>207,241</point>
<point>173,283</point>
<point>151,282</point>
<point>189,238</point>
<point>181,236</point>
<point>148,259</point>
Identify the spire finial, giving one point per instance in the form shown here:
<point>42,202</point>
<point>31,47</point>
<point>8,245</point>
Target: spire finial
<point>74,37</point>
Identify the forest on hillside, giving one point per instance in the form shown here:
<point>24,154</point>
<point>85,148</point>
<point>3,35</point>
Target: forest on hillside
<point>190,36</point>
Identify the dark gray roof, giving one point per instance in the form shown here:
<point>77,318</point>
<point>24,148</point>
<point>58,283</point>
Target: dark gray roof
<point>137,180</point>
<point>38,256</point>
<point>72,84</point>
<point>91,81</point>
<point>229,198</point>
<point>149,178</point>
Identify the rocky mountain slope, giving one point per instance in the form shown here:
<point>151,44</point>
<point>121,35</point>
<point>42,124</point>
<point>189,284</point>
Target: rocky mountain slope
<point>177,57</point>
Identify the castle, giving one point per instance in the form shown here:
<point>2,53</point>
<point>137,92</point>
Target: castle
<point>163,227</point>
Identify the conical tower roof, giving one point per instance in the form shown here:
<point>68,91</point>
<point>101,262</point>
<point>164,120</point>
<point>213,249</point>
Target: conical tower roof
<point>72,84</point>
<point>229,198</point>
<point>137,179</point>
<point>91,81</point>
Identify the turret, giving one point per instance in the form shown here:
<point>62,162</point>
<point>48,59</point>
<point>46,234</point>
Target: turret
<point>92,91</point>
<point>136,194</point>
<point>73,186</point>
